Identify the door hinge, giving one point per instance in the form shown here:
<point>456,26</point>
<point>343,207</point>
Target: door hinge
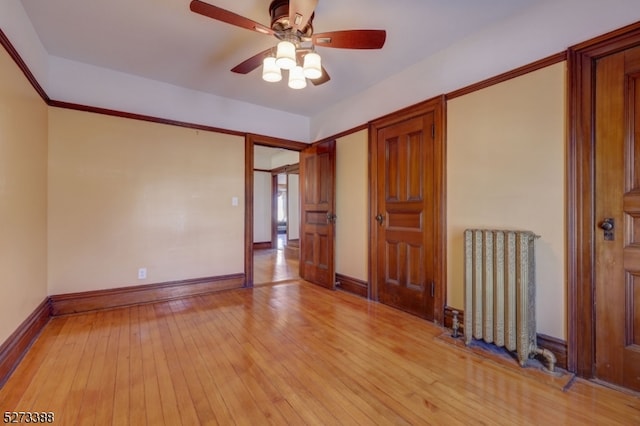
<point>433,289</point>
<point>433,131</point>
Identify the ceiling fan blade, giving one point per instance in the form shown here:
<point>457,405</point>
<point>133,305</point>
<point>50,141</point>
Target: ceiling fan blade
<point>323,78</point>
<point>223,15</point>
<point>351,39</point>
<point>252,63</point>
<point>300,12</point>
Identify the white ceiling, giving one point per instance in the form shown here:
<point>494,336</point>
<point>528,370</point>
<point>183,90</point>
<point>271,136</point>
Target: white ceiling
<point>163,40</point>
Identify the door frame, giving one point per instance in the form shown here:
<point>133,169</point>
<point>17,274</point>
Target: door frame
<point>437,105</point>
<point>274,210</point>
<point>580,178</point>
<point>249,141</point>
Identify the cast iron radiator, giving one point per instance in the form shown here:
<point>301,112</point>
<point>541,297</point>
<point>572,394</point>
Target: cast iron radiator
<point>500,291</point>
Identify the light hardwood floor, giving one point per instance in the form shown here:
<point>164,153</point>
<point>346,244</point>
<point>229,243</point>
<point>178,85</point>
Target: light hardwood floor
<point>290,353</point>
<point>274,265</point>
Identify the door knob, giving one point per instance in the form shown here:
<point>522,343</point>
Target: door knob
<point>380,218</point>
<point>608,224</point>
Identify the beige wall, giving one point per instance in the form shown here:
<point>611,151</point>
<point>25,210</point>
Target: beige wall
<point>125,194</point>
<point>284,158</point>
<point>262,188</point>
<point>505,169</point>
<point>23,197</point>
<point>352,194</point>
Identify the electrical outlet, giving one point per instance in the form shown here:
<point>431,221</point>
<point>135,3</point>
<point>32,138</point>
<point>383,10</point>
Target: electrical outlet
<point>142,273</point>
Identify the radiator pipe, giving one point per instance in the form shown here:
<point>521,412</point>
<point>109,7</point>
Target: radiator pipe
<point>455,324</point>
<point>549,356</point>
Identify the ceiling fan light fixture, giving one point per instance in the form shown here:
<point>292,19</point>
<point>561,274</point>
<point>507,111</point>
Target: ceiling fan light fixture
<point>296,78</point>
<point>292,25</point>
<point>286,55</point>
<point>270,71</point>
<point>312,66</point>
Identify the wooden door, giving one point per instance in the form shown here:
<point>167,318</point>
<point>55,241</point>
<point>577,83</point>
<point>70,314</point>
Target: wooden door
<point>317,177</point>
<point>406,241</point>
<point>617,213</point>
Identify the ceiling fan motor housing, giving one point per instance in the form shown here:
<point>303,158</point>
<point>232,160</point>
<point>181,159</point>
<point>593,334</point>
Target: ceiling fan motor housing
<point>280,22</point>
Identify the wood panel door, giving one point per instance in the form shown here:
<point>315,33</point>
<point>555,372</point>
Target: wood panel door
<point>407,238</point>
<point>617,213</point>
<point>317,195</point>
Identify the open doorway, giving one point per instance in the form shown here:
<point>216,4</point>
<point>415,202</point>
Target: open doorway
<point>276,208</point>
<point>288,210</point>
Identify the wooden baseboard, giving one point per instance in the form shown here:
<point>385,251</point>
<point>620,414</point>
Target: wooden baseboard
<point>557,346</point>
<point>263,245</point>
<point>352,285</point>
<point>70,303</point>
<point>17,345</point>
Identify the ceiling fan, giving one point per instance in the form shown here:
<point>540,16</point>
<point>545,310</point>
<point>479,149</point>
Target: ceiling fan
<point>292,24</point>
